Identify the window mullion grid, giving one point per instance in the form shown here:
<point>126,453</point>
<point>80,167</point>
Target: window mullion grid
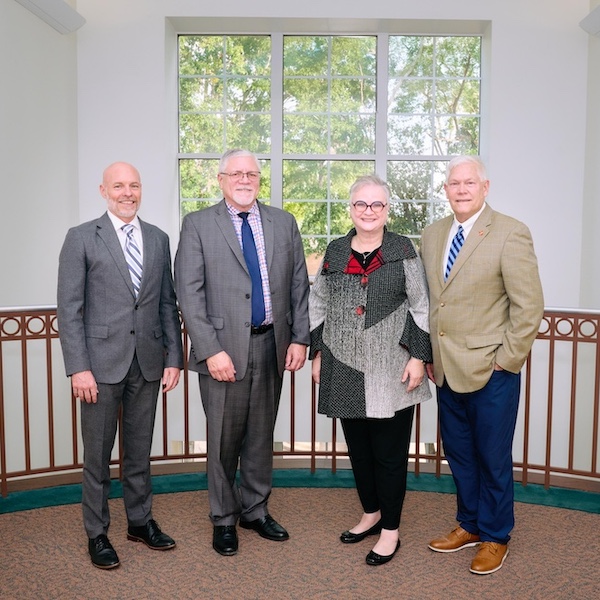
<point>381,111</point>
<point>276,151</point>
<point>329,143</point>
<point>430,199</point>
<point>224,100</point>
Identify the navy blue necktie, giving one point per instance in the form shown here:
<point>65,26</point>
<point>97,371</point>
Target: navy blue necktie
<point>251,256</point>
<point>457,241</point>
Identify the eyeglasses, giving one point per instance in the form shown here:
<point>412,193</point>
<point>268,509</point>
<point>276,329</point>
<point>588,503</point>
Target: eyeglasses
<point>360,206</point>
<point>236,175</point>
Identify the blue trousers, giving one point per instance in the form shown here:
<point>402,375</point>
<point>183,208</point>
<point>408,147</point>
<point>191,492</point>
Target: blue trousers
<point>477,432</point>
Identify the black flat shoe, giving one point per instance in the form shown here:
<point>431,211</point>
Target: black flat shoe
<point>375,559</point>
<point>225,540</point>
<point>267,527</point>
<point>102,553</point>
<point>352,538</point>
<point>151,535</point>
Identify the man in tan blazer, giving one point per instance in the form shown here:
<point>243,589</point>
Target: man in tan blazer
<point>486,305</point>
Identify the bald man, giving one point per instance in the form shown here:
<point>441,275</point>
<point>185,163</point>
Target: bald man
<point>120,334</point>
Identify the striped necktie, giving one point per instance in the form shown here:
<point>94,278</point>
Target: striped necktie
<point>457,241</point>
<point>133,256</point>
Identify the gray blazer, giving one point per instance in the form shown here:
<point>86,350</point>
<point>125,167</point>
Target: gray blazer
<point>214,287</point>
<point>101,324</point>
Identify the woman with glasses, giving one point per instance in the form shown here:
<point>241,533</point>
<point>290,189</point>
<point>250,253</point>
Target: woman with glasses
<point>369,344</point>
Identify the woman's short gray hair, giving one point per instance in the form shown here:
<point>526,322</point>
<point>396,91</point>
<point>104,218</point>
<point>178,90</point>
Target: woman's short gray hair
<point>361,182</point>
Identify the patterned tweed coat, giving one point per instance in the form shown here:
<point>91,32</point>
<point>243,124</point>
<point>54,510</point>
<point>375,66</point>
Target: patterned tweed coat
<point>367,329</point>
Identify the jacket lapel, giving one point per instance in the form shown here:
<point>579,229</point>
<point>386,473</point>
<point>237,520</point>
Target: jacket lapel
<point>440,250</point>
<point>149,254</point>
<point>478,233</point>
<point>223,221</point>
<point>268,233</point>
<point>107,233</point>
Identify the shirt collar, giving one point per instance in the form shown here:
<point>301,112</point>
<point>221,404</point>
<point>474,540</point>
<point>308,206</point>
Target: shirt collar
<point>234,212</point>
<point>118,223</point>
<point>468,224</point>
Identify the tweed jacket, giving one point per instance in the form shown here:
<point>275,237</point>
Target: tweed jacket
<point>489,310</point>
<point>366,333</point>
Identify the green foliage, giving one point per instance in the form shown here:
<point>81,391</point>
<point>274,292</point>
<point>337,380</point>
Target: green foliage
<point>329,112</point>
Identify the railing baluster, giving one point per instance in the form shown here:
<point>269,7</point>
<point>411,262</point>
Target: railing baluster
<point>20,393</point>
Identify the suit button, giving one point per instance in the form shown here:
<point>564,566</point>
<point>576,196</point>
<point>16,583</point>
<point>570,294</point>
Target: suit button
<point>132,332</point>
<point>247,296</point>
<point>442,304</point>
<point>136,307</point>
<point>442,333</point>
<point>246,324</point>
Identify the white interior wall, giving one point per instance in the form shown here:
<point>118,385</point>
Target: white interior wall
<point>112,85</point>
<point>38,154</point>
<point>590,239</point>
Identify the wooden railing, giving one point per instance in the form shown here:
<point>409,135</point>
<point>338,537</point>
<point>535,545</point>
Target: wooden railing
<point>556,440</point>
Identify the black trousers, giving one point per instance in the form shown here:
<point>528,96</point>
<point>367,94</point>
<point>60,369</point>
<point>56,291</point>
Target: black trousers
<point>379,456</point>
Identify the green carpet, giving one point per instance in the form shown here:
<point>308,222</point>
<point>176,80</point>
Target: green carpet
<point>294,478</point>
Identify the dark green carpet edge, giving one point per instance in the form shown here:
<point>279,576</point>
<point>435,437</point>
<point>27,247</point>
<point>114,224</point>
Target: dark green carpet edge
<point>295,478</point>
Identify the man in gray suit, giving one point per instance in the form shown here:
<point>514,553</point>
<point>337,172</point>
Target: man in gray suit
<point>121,337</point>
<point>246,312</point>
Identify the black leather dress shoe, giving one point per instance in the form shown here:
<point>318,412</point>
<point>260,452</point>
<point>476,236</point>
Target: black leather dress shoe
<point>268,528</point>
<point>352,538</point>
<point>151,535</point>
<point>375,559</point>
<point>225,539</point>
<point>102,553</point>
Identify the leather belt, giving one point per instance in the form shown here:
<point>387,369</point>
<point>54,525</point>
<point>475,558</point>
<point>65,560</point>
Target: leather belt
<point>260,329</point>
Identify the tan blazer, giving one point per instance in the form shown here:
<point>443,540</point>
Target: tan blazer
<point>489,310</point>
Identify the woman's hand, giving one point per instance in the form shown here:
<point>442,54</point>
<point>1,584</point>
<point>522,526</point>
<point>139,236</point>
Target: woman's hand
<point>414,373</point>
<point>316,368</point>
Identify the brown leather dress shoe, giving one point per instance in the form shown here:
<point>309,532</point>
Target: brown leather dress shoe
<point>457,539</point>
<point>489,558</point>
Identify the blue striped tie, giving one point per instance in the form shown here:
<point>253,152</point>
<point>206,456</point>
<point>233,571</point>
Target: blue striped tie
<point>133,256</point>
<point>457,241</point>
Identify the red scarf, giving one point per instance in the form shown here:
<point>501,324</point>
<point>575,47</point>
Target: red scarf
<point>355,268</point>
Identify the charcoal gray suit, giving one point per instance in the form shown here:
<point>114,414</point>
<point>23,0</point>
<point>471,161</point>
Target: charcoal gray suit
<point>214,291</point>
<point>126,343</point>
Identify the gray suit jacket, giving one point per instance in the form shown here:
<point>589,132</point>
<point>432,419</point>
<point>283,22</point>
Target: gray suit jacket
<point>101,323</point>
<point>489,310</point>
<point>214,287</point>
